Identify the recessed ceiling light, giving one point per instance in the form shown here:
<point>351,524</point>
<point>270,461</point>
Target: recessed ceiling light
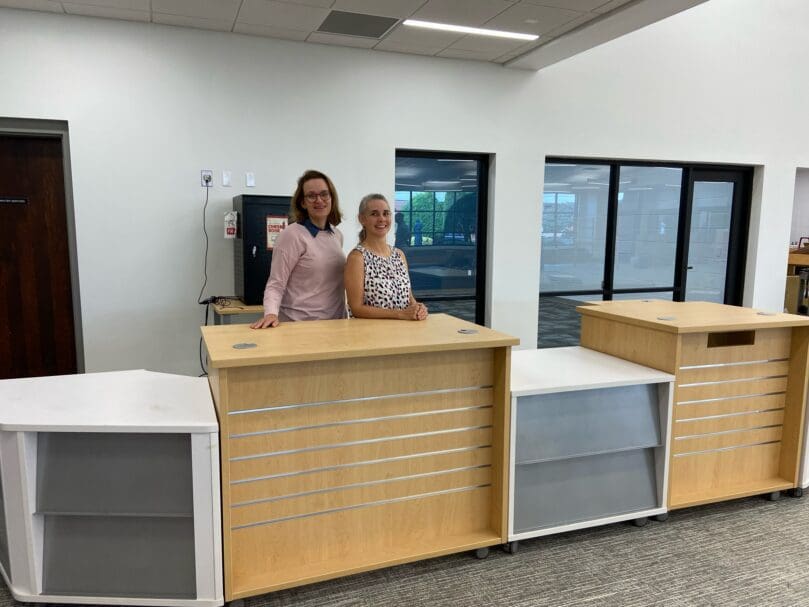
<point>468,30</point>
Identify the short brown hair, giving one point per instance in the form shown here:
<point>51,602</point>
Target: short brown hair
<point>296,211</point>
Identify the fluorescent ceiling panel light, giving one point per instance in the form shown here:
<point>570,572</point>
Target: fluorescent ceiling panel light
<point>551,184</point>
<point>438,184</point>
<point>585,187</point>
<point>468,30</point>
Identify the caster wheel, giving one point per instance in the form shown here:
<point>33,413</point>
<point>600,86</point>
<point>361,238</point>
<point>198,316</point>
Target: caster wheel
<point>774,496</point>
<point>481,553</point>
<point>662,518</point>
<point>640,522</point>
<point>797,492</point>
<point>511,547</point>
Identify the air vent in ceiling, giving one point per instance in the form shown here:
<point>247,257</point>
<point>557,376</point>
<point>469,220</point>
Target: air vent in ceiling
<point>356,24</point>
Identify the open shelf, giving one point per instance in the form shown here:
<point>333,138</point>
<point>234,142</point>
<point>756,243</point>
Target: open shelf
<point>567,491</point>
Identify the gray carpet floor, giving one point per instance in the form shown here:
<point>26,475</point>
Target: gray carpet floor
<point>749,552</point>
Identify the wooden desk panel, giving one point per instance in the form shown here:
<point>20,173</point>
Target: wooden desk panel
<point>346,463</point>
<point>739,409</point>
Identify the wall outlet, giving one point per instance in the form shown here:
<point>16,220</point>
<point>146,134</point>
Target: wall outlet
<point>206,178</point>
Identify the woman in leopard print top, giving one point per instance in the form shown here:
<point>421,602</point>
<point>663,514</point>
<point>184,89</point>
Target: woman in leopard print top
<point>376,278</point>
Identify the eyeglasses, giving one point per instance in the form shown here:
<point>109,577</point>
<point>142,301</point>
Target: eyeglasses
<point>325,196</point>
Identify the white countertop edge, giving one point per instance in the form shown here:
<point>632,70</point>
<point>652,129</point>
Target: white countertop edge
<point>528,391</point>
<point>112,429</point>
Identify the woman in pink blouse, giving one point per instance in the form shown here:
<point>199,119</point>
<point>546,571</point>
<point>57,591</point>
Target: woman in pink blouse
<point>306,277</point>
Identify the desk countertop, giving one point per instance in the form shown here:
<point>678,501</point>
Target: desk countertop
<point>575,368</point>
<point>690,316</point>
<point>353,338</point>
<point>117,401</point>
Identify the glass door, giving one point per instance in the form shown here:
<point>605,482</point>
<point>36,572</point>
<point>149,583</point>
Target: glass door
<point>716,236</point>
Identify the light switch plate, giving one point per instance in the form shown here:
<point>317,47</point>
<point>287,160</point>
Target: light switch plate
<point>250,179</point>
<point>226,177</point>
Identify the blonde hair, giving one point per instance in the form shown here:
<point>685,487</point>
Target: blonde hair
<point>364,207</point>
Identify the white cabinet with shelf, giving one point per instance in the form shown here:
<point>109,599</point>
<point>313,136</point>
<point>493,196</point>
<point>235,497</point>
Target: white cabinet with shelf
<point>589,441</point>
<point>110,490</point>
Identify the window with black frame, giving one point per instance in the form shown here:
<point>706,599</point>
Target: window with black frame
<point>638,230</point>
<point>440,211</point>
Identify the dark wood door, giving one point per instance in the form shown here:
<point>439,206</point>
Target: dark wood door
<point>36,311</point>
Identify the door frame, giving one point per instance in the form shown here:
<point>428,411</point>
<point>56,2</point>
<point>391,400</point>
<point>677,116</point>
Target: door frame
<point>31,127</point>
<point>481,236</point>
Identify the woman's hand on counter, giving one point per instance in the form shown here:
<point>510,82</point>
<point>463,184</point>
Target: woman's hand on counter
<point>269,320</point>
<point>415,311</point>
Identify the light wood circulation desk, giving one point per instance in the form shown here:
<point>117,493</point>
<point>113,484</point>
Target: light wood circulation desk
<point>349,445</point>
<point>739,393</point>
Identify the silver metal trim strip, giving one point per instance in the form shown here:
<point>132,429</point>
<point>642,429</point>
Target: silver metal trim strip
<point>721,415</point>
<point>361,420</point>
<point>366,462</point>
<point>358,506</point>
<point>366,441</point>
<point>769,442</point>
<point>358,485</point>
<point>713,400</point>
<point>738,364</point>
<point>730,381</point>
<point>358,400</point>
<point>734,431</point>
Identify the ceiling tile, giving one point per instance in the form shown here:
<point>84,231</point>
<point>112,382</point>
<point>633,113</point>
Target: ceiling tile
<point>461,12</point>
<point>386,8</point>
<point>206,9</point>
<point>572,5</point>
<point>220,25</point>
<point>462,54</point>
<point>409,51</point>
<point>129,5</point>
<point>405,36</point>
<point>571,25</point>
<point>320,3</point>
<point>323,38</point>
<point>487,44</point>
<point>33,5</point>
<point>108,13</point>
<point>531,19</point>
<point>269,32</point>
<point>609,6</point>
<point>282,15</point>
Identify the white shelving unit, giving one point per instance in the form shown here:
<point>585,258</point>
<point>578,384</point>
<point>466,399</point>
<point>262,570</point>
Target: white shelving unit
<point>109,486</point>
<point>589,441</point>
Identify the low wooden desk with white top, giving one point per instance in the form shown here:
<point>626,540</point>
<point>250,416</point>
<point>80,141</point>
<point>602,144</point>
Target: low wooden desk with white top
<point>349,445</point>
<point>739,396</point>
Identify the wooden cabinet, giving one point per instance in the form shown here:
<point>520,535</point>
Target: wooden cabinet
<point>590,436</point>
<point>349,445</point>
<point>110,490</point>
<point>740,390</point>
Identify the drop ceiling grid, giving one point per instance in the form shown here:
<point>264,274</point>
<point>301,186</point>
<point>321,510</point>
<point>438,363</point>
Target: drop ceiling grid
<point>300,19</point>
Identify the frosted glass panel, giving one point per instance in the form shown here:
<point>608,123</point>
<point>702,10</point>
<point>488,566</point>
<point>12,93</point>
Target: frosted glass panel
<point>646,239</point>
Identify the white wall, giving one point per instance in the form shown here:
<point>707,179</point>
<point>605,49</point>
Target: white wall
<point>800,207</point>
<point>149,106</point>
